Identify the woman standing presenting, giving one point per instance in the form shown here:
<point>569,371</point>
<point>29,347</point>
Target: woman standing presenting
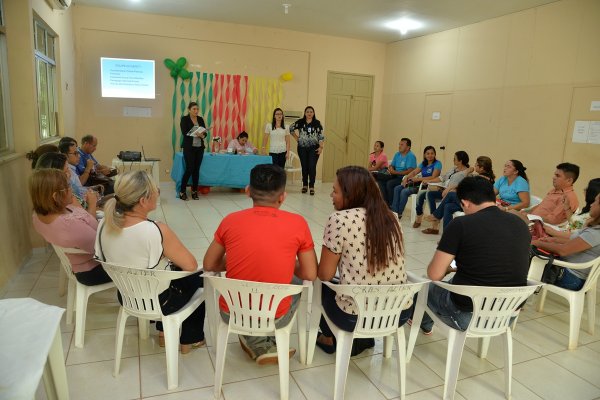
<point>308,131</point>
<point>279,148</point>
<point>193,149</point>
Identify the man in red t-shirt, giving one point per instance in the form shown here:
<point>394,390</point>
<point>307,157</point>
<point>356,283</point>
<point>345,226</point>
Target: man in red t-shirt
<point>264,244</point>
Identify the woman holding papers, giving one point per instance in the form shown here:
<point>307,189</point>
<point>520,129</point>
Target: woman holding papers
<point>193,131</point>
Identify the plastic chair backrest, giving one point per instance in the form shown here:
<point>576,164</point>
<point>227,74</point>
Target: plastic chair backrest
<point>289,163</point>
<point>379,306</point>
<point>493,307</point>
<point>62,252</point>
<point>140,288</point>
<point>593,274</point>
<point>252,305</point>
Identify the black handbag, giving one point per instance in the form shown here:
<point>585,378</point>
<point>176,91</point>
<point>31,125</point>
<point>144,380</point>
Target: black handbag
<point>551,272</point>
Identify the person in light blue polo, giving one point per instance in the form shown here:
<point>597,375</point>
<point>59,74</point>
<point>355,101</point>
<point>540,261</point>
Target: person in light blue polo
<point>403,163</point>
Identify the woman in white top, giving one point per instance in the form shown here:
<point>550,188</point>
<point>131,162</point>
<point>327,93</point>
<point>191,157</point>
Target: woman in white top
<point>361,217</point>
<point>127,237</point>
<point>279,147</point>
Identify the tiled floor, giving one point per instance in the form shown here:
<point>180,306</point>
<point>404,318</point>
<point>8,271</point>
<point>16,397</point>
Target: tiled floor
<point>543,368</point>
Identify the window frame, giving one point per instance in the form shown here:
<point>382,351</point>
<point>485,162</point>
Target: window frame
<point>51,84</point>
<point>8,147</point>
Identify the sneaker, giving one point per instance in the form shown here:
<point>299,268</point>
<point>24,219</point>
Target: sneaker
<point>270,356</point>
<point>425,332</point>
<point>246,348</point>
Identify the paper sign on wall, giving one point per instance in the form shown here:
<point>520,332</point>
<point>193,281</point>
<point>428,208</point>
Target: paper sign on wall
<point>436,115</point>
<point>595,106</point>
<point>586,132</point>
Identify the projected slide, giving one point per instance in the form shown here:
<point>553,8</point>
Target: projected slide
<point>127,78</point>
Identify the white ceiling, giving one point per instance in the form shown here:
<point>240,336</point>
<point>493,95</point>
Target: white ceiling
<point>358,19</point>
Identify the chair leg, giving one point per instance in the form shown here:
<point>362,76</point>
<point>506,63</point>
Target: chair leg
<point>81,299</point>
<point>456,344</point>
<point>416,321</point>
<point>172,349</point>
<point>508,349</point>
<point>576,311</point>
<point>144,328</point>
<point>71,290</point>
<point>121,322</point>
<point>401,362</point>
<point>542,300</point>
<point>212,312</point>
<point>591,309</point>
<point>313,322</point>
<point>63,281</point>
<point>301,316</point>
<point>388,345</point>
<point>482,346</point>
<point>282,337</point>
<point>221,350</point>
<point>413,209</point>
<point>342,360</point>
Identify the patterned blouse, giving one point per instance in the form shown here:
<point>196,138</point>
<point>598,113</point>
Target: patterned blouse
<point>310,134</point>
<point>345,234</point>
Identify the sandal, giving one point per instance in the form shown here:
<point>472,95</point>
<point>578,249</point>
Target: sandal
<point>183,196</point>
<point>195,196</point>
<point>431,231</point>
<point>304,189</point>
<point>327,348</point>
<point>312,191</point>
<point>186,348</point>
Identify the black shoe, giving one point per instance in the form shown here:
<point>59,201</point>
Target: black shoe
<point>327,348</point>
<point>312,191</point>
<point>183,196</point>
<point>360,345</point>
<point>304,189</point>
<point>195,196</point>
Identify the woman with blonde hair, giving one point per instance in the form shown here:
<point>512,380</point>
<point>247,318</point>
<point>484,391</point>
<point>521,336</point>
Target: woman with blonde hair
<point>62,224</point>
<point>126,236</point>
<point>363,242</point>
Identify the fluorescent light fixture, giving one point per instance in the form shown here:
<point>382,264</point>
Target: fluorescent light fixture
<point>404,25</point>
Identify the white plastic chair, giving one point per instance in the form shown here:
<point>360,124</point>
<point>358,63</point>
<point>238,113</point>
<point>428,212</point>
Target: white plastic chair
<point>252,307</point>
<point>533,201</point>
<point>139,290</point>
<point>77,293</point>
<point>379,308</point>
<point>413,204</point>
<point>576,299</point>
<point>493,308</point>
<point>292,165</point>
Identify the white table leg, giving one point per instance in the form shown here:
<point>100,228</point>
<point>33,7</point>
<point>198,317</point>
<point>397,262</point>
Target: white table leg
<point>55,373</point>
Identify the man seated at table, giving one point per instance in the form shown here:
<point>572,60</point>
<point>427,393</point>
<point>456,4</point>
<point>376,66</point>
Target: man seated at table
<point>90,171</point>
<point>241,145</point>
<point>560,202</point>
<point>264,244</point>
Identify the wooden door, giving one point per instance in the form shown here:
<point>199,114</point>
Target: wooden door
<point>347,122</point>
<point>436,124</point>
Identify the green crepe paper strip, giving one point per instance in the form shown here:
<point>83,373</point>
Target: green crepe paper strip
<point>174,110</point>
<point>182,106</point>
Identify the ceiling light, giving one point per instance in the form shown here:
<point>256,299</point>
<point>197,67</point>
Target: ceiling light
<point>404,25</point>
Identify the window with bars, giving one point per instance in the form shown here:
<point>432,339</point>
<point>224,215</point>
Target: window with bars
<point>45,69</point>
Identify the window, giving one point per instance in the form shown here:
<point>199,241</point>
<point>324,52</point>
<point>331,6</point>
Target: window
<point>5,126</point>
<point>45,70</point>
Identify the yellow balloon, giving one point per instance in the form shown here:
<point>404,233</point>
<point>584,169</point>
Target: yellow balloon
<point>287,76</point>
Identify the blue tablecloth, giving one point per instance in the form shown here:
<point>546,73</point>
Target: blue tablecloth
<point>226,170</point>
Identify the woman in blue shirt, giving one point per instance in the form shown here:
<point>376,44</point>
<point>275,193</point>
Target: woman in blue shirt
<point>512,188</point>
<point>429,169</point>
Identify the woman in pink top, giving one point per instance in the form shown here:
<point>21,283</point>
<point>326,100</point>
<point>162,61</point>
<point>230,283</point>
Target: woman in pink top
<point>377,159</point>
<point>241,145</point>
<point>64,225</point>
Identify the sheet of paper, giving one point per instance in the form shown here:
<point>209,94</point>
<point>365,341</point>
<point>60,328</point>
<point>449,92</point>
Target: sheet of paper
<point>594,132</point>
<point>196,131</point>
<point>580,131</point>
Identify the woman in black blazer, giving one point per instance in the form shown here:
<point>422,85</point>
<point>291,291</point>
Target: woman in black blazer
<point>193,150</point>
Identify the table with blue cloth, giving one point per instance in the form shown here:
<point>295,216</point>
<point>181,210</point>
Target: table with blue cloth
<point>226,170</point>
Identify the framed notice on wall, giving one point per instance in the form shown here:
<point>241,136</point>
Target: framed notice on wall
<point>586,132</point>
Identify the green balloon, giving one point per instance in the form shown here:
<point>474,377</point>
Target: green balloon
<point>181,61</point>
<point>169,63</point>
<point>174,73</point>
<point>184,74</point>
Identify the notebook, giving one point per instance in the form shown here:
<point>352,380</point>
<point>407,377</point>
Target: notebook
<point>148,159</point>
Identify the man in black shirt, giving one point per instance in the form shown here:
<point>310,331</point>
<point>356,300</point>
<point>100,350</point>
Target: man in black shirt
<point>490,247</point>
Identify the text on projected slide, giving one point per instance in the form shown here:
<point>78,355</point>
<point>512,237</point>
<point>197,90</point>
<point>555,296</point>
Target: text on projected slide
<point>127,78</point>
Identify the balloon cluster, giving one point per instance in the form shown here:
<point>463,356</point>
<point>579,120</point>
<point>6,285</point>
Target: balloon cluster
<point>178,68</point>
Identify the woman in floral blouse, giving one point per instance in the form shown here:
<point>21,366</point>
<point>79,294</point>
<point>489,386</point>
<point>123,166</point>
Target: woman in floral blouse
<point>362,217</point>
<point>308,131</point>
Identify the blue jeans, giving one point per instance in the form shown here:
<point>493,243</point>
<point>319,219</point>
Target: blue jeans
<point>420,202</point>
<point>568,280</point>
<point>449,205</point>
<point>387,186</point>
<point>400,198</point>
<point>441,304</point>
<point>432,197</point>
